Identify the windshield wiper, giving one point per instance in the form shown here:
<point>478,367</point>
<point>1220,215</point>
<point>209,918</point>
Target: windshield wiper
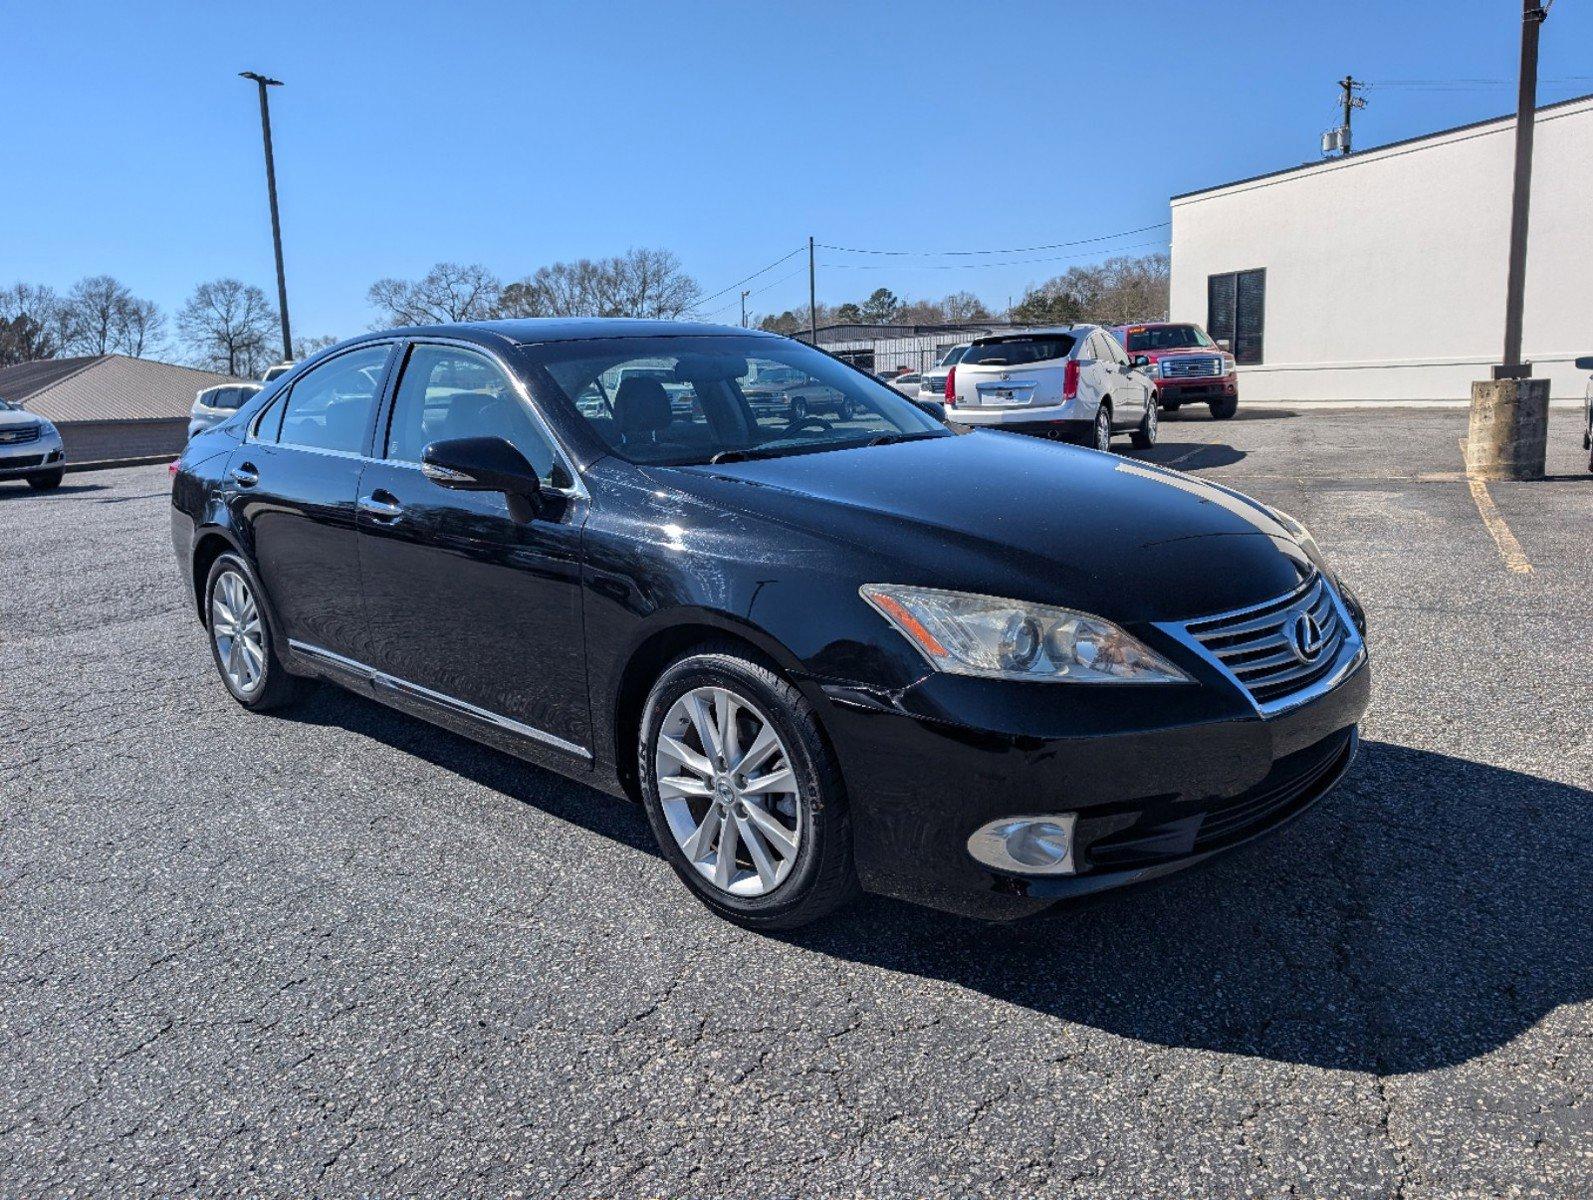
<point>731,456</point>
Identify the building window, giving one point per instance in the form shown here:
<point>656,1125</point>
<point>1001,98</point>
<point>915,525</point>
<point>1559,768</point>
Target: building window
<point>1236,305</point>
<point>863,359</point>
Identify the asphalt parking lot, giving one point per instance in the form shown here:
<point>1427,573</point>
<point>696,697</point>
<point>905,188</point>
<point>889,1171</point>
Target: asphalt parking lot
<point>343,952</point>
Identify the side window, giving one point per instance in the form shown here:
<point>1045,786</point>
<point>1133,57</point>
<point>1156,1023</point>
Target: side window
<point>448,393</point>
<point>268,424</point>
<point>330,408</point>
<point>1113,349</point>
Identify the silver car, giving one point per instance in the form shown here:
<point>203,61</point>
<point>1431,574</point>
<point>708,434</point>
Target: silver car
<point>30,448</point>
<point>214,405</point>
<point>1585,363</point>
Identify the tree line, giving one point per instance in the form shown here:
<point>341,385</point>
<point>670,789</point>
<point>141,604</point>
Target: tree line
<point>230,326</point>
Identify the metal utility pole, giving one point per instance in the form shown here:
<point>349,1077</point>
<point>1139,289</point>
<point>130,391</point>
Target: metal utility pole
<point>813,292</point>
<point>271,188</point>
<point>1533,14</point>
<point>744,295</point>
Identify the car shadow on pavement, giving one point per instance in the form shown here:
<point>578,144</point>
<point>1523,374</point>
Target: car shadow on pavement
<point>1425,913</point>
<point>1189,456</point>
<point>19,488</point>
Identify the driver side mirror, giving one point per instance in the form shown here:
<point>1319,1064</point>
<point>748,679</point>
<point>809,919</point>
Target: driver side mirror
<point>485,464</point>
<point>1225,344</point>
<point>1140,361</point>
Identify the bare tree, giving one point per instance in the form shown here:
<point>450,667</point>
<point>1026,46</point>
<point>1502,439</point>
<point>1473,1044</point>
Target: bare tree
<point>228,325</point>
<point>142,329</point>
<point>34,324</point>
<point>446,294</point>
<point>1113,292</point>
<point>305,347</point>
<point>638,283</point>
<point>97,304</point>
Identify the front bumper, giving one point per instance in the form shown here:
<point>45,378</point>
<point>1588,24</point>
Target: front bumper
<point>44,453</point>
<point>1159,782</point>
<point>1179,391</point>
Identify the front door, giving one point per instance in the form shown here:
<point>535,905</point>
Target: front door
<point>461,600</point>
<point>293,486</point>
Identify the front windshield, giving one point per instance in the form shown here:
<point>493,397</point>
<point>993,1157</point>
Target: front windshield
<point>1166,337</point>
<point>682,400</point>
<point>8,406</point>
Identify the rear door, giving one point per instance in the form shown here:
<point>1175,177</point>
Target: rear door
<point>292,486</point>
<point>470,608</point>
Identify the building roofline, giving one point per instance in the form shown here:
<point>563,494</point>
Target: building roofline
<point>1422,137</point>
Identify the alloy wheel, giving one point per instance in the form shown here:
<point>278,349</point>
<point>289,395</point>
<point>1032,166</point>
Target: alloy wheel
<point>1103,430</point>
<point>239,637</point>
<point>728,791</point>
<point>1152,422</point>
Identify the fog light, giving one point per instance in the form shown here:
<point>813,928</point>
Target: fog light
<point>1040,845</point>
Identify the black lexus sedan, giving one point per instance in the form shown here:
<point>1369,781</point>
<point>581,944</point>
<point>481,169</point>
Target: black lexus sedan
<point>973,670</point>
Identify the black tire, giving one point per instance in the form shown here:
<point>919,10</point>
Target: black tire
<point>1100,435</point>
<point>1145,436</point>
<point>1222,409</point>
<point>46,482</point>
<point>277,688</point>
<point>797,410</point>
<point>1171,405</point>
<point>843,409</point>
<point>822,877</point>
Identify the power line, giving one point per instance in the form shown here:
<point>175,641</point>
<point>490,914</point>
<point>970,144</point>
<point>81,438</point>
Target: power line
<point>979,266</point>
<point>754,275</point>
<point>756,291</point>
<point>1105,237</point>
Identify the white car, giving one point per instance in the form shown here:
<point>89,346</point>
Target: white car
<point>933,384</point>
<point>1074,383</point>
<point>907,383</point>
<point>30,448</point>
<point>214,405</point>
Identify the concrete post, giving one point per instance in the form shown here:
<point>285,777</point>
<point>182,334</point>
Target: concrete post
<point>1509,430</point>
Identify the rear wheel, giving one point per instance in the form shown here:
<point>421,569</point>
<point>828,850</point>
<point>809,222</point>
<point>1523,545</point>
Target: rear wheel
<point>1145,436</point>
<point>1222,409</point>
<point>240,639</point>
<point>742,792</point>
<point>798,408</point>
<point>1171,405</point>
<point>1102,432</point>
<point>46,482</point>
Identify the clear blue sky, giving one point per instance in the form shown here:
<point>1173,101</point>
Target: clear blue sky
<point>517,134</point>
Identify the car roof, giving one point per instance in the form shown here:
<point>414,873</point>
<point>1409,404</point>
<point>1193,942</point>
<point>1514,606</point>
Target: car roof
<point>1035,331</point>
<point>526,331</point>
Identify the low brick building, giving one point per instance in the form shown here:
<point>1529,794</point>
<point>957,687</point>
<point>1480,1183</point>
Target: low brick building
<point>110,406</point>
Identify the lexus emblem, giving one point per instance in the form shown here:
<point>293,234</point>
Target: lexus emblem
<point>1305,637</point>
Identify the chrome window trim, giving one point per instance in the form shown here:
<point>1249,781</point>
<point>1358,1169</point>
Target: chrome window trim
<point>576,491</point>
<point>442,699</point>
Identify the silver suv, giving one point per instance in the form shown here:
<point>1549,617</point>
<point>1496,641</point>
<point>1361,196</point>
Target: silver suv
<point>30,448</point>
<point>214,405</point>
<point>1072,382</point>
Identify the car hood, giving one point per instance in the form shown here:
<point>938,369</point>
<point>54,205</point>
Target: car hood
<point>1004,514</point>
<point>10,419</point>
<point>1182,351</point>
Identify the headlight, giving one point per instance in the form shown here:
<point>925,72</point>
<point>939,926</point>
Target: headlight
<point>1228,365</point>
<point>1161,368</point>
<point>965,634</point>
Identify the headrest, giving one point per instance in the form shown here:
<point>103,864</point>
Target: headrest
<point>641,405</point>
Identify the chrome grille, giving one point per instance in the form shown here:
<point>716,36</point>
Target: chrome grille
<point>1188,366</point>
<point>16,437</point>
<point>1277,649</point>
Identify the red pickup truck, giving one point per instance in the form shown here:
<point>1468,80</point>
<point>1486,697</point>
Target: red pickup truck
<point>1185,363</point>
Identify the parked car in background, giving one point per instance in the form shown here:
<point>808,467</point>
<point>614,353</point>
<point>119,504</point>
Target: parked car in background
<point>797,394</point>
<point>1585,363</point>
<point>30,448</point>
<point>933,384</point>
<point>978,672</point>
<point>1072,382</point>
<point>276,372</point>
<point>214,405</point>
<point>1186,363</point>
<point>908,383</point>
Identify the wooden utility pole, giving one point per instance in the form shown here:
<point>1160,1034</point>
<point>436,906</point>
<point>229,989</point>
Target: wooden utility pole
<point>813,301</point>
<point>271,189</point>
<point>1533,14</point>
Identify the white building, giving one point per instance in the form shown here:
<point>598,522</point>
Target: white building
<point>1381,275</point>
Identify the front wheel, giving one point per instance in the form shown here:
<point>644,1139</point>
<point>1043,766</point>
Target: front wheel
<point>744,797</point>
<point>1145,436</point>
<point>1222,409</point>
<point>46,482</point>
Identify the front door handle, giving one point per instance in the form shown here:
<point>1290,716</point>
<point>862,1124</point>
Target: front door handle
<point>246,475</point>
<point>384,506</point>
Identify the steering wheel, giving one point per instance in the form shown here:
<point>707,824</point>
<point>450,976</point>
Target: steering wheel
<point>815,423</point>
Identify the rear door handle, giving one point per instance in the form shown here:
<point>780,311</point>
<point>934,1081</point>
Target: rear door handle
<point>381,505</point>
<point>246,475</point>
